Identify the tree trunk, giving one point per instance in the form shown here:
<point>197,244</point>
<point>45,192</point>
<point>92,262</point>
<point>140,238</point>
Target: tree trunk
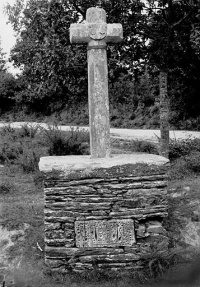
<point>164,115</point>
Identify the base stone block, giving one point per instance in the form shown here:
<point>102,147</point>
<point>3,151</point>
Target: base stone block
<point>104,213</point>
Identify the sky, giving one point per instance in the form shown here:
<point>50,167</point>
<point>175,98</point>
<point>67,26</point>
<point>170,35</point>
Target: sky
<point>6,34</point>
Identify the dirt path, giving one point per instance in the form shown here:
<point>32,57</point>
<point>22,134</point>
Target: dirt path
<point>127,134</point>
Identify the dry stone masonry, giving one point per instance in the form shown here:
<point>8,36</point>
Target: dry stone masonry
<point>101,213</point>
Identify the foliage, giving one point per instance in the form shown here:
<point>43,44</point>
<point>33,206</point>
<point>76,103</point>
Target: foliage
<point>143,146</point>
<point>8,85</point>
<point>2,59</point>
<point>8,88</point>
<point>159,259</point>
<point>193,161</point>
<point>170,49</point>
<point>19,146</point>
<point>6,187</point>
<point>73,142</point>
<point>185,157</point>
<point>28,131</point>
<point>26,145</point>
<point>135,146</point>
<point>181,148</point>
<point>56,71</point>
<point>157,35</point>
<point>195,34</point>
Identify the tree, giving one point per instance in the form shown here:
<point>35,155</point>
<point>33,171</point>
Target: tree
<point>157,34</point>
<point>56,71</point>
<point>7,85</point>
<point>2,59</point>
<point>169,28</point>
<point>195,34</point>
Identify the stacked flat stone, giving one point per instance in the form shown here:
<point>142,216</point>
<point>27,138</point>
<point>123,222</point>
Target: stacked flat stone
<point>103,213</point>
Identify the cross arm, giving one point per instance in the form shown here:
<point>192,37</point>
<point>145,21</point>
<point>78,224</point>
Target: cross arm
<point>79,33</point>
<point>114,33</point>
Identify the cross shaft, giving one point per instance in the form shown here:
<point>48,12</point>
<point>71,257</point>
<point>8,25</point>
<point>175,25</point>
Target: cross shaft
<point>97,33</point>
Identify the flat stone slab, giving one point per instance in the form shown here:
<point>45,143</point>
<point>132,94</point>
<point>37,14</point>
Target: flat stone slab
<point>62,163</point>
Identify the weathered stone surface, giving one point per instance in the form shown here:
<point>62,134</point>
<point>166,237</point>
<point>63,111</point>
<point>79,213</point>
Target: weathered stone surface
<point>55,234</point>
<point>54,263</point>
<point>155,227</point>
<point>111,258</point>
<point>141,231</point>
<point>52,226</point>
<point>101,233</point>
<point>97,33</point>
<point>117,165</point>
<point>55,242</point>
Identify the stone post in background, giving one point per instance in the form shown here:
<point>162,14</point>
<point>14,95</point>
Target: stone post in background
<point>164,115</point>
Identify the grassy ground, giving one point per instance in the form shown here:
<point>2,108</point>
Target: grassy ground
<point>21,205</point>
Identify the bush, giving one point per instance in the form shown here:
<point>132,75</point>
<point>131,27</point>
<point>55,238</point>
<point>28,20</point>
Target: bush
<point>159,259</point>
<point>6,187</point>
<point>73,142</point>
<point>20,147</point>
<point>28,160</point>
<point>28,131</point>
<point>26,145</point>
<point>10,150</point>
<point>180,148</point>
<point>178,169</point>
<point>143,146</point>
<point>193,161</point>
<point>134,146</point>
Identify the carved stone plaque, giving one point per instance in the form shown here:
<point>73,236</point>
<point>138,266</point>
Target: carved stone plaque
<point>104,233</point>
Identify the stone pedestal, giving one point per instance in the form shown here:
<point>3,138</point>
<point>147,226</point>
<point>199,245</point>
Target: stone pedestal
<point>105,212</point>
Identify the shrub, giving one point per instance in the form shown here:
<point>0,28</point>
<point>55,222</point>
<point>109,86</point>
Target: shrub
<point>6,187</point>
<point>73,142</point>
<point>193,161</point>
<point>18,146</point>
<point>22,154</point>
<point>10,150</point>
<point>159,259</point>
<point>143,146</point>
<point>185,157</point>
<point>178,169</point>
<point>28,160</point>
<point>134,146</point>
<point>28,131</point>
<point>179,148</point>
<point>7,129</point>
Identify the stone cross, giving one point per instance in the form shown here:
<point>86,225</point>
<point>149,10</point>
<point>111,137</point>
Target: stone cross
<point>96,32</point>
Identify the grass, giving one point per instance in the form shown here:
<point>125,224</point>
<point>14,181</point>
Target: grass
<point>24,147</point>
<point>21,201</point>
